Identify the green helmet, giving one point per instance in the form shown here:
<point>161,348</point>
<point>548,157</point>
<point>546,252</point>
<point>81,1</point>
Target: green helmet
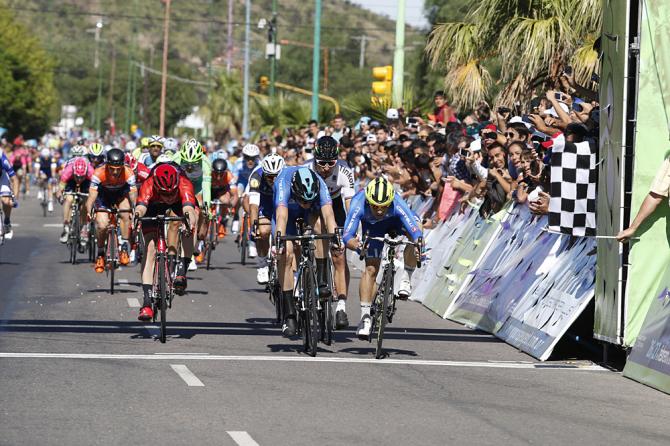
<point>191,151</point>
<point>96,149</point>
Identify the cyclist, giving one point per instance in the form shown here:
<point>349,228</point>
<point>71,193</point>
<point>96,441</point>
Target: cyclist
<point>298,193</point>
<point>198,170</point>
<point>20,162</point>
<point>96,154</point>
<point>170,146</point>
<point>8,195</point>
<point>76,177</point>
<point>222,187</point>
<point>76,152</point>
<point>165,189</point>
<point>155,144</point>
<point>380,211</point>
<point>242,171</point>
<point>112,185</point>
<point>142,148</point>
<point>261,208</point>
<point>46,167</point>
<point>141,171</point>
<point>340,181</point>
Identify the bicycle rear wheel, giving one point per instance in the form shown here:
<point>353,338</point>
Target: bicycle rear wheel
<point>382,316</point>
<point>211,237</point>
<point>74,237</point>
<point>162,297</point>
<point>244,242</point>
<point>111,256</point>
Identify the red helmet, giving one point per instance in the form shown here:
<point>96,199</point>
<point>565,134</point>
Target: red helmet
<point>80,167</point>
<point>131,161</point>
<point>166,178</point>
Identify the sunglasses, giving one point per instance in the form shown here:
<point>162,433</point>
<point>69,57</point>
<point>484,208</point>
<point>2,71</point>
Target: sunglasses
<point>509,135</point>
<point>190,167</point>
<point>378,209</point>
<point>155,145</point>
<point>324,163</point>
<point>490,135</point>
<point>249,158</point>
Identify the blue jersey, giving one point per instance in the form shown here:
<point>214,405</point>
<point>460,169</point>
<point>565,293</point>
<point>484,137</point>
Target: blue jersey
<point>6,166</point>
<point>399,217</point>
<point>284,197</point>
<point>242,173</point>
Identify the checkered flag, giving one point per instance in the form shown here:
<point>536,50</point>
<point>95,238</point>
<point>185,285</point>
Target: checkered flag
<point>572,208</point>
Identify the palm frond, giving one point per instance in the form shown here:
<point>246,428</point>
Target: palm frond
<point>468,84</point>
<point>585,62</point>
<point>452,44</point>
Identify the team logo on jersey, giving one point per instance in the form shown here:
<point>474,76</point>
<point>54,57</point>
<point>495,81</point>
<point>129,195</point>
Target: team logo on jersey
<point>254,183</point>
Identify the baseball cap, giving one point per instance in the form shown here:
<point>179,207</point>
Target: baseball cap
<point>371,138</point>
<point>553,112</point>
<point>476,145</point>
<point>392,113</point>
<point>519,119</point>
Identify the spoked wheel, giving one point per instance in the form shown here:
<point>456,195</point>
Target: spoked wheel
<point>311,312</point>
<point>74,239</point>
<point>111,256</point>
<point>162,299</point>
<point>277,300</point>
<point>209,245</point>
<point>382,311</point>
<point>244,242</point>
<point>326,320</point>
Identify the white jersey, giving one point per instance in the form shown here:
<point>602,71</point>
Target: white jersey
<point>340,182</point>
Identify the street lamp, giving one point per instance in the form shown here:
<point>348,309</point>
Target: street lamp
<point>272,50</point>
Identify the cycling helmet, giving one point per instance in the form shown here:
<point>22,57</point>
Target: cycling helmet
<point>45,153</point>
<point>305,185</point>
<point>96,149</point>
<point>163,158</point>
<point>130,146</point>
<point>130,160</point>
<point>155,140</point>
<point>166,178</point>
<point>326,148</point>
<point>251,150</point>
<point>191,151</point>
<point>272,164</point>
<point>219,165</point>
<point>379,192</point>
<point>80,167</point>
<point>77,150</point>
<point>171,145</point>
<point>115,157</point>
<point>144,142</point>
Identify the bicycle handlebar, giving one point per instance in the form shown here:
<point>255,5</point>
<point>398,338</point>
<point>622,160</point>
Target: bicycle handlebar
<point>394,242</point>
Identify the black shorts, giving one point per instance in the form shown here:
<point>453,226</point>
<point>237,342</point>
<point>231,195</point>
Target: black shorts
<point>155,209</point>
<point>71,186</point>
<point>111,198</point>
<point>217,192</point>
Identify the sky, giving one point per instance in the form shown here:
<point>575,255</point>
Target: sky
<point>413,10</point>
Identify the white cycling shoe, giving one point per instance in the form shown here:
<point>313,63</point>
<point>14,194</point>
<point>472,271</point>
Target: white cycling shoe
<point>252,250</point>
<point>262,276</point>
<point>192,266</point>
<point>364,327</point>
<point>405,289</point>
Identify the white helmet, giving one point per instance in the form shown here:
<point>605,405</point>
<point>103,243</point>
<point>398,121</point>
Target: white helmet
<point>46,153</point>
<point>272,164</point>
<point>170,144</point>
<point>77,150</point>
<point>163,158</point>
<point>251,150</point>
<point>130,146</point>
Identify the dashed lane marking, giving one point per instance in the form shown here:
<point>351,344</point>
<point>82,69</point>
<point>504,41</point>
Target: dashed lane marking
<point>242,438</point>
<point>133,302</point>
<point>318,359</point>
<point>52,225</point>
<point>184,373</point>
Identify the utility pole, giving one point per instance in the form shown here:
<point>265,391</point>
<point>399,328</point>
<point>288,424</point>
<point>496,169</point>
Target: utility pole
<point>112,79</point>
<point>399,56</point>
<point>364,40</point>
<point>96,64</point>
<point>229,45</point>
<point>273,41</point>
<point>166,28</point>
<point>316,63</point>
<point>245,101</point>
<point>145,98</point>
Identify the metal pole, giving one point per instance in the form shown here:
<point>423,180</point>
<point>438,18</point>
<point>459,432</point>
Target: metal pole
<point>96,64</point>
<point>273,58</point>
<point>245,106</point>
<point>399,56</point>
<point>166,28</point>
<point>128,90</point>
<point>316,63</point>
<point>229,45</point>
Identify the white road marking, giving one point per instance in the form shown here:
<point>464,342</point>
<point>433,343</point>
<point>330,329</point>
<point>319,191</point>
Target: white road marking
<point>133,302</point>
<point>184,373</point>
<point>335,359</point>
<point>123,282</point>
<point>53,225</point>
<point>242,438</point>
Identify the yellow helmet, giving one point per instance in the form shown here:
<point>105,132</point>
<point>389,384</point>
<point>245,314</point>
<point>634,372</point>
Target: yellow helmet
<point>144,142</point>
<point>379,192</point>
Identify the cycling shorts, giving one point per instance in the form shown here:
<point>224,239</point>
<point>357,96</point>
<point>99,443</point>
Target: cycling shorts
<point>71,186</point>
<point>308,215</point>
<point>5,189</point>
<point>380,229</point>
<point>157,208</point>
<point>219,191</point>
<point>111,198</point>
<point>340,212</point>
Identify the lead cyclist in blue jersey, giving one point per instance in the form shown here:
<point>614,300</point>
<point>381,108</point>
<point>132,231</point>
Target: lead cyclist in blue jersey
<point>380,211</point>
<point>242,170</point>
<point>298,193</point>
<point>7,194</point>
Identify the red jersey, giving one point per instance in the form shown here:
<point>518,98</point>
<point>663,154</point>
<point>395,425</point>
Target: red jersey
<point>185,194</point>
<point>142,172</point>
<point>221,183</point>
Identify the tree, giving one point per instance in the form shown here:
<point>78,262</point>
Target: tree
<point>535,39</point>
<point>223,109</point>
<point>27,94</point>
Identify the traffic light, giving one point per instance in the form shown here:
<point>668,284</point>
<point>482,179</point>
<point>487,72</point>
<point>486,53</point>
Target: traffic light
<point>263,83</point>
<point>384,80</point>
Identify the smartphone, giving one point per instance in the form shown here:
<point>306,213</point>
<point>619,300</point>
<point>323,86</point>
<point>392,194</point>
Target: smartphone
<point>535,168</point>
<point>490,135</point>
<point>577,107</point>
<point>568,70</point>
<point>412,121</point>
<point>464,152</point>
<point>503,110</point>
<point>558,95</point>
<point>595,78</point>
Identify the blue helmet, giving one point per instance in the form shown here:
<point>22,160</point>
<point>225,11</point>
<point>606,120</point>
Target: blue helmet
<point>305,185</point>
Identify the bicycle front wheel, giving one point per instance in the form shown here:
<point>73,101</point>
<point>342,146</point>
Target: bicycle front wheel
<point>311,313</point>
<point>162,298</point>
<point>211,237</point>
<point>74,238</point>
<point>382,316</point>
<point>244,241</point>
<point>111,256</point>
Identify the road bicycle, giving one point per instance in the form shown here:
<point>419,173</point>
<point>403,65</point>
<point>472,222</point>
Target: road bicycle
<point>44,193</point>
<point>112,242</point>
<point>273,287</point>
<point>314,315</point>
<point>74,235</point>
<point>243,238</point>
<point>162,290</point>
<point>212,239</point>
<point>383,306</point>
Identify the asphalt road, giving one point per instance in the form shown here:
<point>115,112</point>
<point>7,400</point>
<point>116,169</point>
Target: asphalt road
<point>77,368</point>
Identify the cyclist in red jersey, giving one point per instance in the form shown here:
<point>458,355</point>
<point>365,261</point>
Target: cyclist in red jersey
<point>165,190</point>
<point>140,170</point>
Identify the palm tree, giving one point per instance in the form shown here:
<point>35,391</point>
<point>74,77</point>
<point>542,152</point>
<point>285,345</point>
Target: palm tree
<point>533,39</point>
<point>223,109</point>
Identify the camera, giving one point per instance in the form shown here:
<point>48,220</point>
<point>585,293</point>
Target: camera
<point>503,110</point>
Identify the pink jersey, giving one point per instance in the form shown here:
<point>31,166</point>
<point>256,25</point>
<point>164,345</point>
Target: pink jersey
<point>68,171</point>
<point>20,157</point>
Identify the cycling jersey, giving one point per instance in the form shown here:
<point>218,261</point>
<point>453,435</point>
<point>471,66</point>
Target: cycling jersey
<point>159,204</point>
<point>46,165</point>
<point>242,173</point>
<point>284,197</point>
<point>224,182</point>
<point>6,166</point>
<point>200,176</point>
<point>102,180</point>
<point>398,218</point>
<point>6,172</point>
<point>142,172</point>
<point>261,193</point>
<point>146,159</point>
<point>339,182</point>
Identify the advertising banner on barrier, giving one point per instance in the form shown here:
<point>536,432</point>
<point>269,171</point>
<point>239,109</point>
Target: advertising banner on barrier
<point>508,268</point>
<point>649,361</point>
<point>551,305</point>
<point>609,213</point>
<point>644,276</point>
<point>472,242</point>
